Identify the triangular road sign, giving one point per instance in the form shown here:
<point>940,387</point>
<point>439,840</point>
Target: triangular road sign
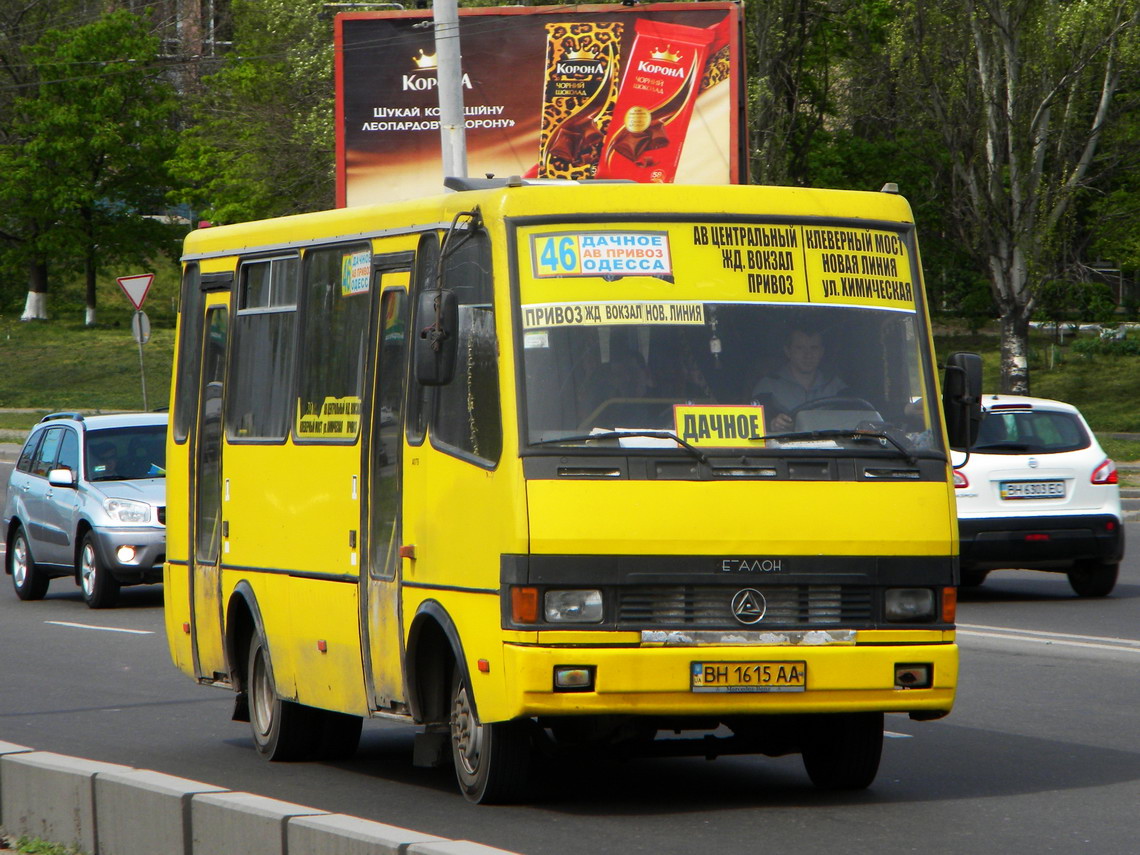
<point>135,287</point>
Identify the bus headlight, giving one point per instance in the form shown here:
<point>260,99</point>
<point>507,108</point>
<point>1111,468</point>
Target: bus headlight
<point>906,605</point>
<point>573,606</point>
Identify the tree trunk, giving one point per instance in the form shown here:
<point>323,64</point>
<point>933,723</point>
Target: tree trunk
<point>1015,352</point>
<point>35,308</point>
<point>89,275</point>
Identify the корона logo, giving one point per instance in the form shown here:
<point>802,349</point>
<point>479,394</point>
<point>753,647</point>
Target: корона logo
<point>423,77</point>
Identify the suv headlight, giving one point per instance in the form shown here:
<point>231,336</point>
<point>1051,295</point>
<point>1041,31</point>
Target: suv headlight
<point>573,606</point>
<point>126,511</point>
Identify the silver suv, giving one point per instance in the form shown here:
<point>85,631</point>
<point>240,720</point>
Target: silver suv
<point>87,499</point>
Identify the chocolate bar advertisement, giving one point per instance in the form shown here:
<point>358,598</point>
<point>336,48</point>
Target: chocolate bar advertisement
<point>650,93</point>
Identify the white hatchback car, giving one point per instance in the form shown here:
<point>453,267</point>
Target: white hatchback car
<point>1037,492</point>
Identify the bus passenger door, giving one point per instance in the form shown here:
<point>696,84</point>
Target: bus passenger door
<point>206,525</point>
<point>382,461</point>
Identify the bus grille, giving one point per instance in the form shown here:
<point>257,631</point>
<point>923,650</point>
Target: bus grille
<point>787,606</point>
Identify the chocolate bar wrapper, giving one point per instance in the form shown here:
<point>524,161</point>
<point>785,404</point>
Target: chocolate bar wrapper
<point>655,102</point>
<point>582,69</point>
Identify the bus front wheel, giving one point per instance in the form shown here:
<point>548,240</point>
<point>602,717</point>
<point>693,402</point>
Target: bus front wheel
<point>842,751</point>
<point>492,761</point>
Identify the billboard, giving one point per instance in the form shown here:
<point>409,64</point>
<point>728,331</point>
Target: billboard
<point>652,93</point>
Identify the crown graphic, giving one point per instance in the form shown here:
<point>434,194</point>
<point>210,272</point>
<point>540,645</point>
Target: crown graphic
<point>425,60</point>
<point>580,54</point>
<point>667,55</point>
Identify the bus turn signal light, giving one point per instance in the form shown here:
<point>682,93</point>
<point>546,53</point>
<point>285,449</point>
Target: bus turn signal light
<point>524,605</point>
<point>949,605</point>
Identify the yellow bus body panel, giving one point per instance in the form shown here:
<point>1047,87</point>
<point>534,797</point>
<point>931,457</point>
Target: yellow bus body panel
<point>176,615</point>
<point>741,518</point>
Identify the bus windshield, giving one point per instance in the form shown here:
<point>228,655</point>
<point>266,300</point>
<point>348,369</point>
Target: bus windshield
<point>755,373</point>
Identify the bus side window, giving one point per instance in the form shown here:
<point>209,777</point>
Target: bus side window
<point>334,342</point>
<point>261,368</point>
<point>189,353</point>
<point>467,413</point>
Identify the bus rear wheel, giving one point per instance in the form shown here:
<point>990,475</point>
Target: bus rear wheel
<point>282,730</point>
<point>842,751</point>
<point>492,761</point>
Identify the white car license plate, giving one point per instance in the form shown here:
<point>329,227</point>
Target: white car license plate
<point>1032,489</point>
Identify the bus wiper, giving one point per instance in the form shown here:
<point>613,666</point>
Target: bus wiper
<point>618,434</point>
<point>868,434</point>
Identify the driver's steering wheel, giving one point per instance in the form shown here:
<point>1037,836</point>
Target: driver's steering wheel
<point>835,403</point>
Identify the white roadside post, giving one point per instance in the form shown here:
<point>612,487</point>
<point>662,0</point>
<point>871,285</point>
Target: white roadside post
<point>136,288</point>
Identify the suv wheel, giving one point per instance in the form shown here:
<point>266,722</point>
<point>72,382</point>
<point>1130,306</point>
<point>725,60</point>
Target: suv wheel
<point>29,582</point>
<point>100,588</point>
<point>973,578</point>
<point>1093,579</point>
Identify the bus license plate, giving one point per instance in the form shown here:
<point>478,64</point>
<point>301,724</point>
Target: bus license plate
<point>1032,489</point>
<point>749,676</point>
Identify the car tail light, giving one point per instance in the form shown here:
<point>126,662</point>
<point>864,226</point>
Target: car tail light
<point>960,479</point>
<point>1105,473</point>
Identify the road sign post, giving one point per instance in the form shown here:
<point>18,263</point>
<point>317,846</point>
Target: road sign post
<point>136,288</point>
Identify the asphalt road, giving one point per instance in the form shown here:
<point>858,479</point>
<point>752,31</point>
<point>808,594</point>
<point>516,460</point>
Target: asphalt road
<point>1042,752</point>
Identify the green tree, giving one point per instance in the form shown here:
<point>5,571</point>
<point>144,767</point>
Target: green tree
<point>85,160</point>
<point>1022,93</point>
<point>21,227</point>
<point>1113,219</point>
<point>796,53</point>
<point>262,142</point>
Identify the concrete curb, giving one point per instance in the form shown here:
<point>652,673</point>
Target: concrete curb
<point>109,809</point>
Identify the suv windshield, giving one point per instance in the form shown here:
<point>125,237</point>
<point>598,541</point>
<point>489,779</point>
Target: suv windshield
<point>126,453</point>
<point>672,356</point>
<point>1030,432</point>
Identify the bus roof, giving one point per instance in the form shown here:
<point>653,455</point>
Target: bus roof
<point>505,198</point>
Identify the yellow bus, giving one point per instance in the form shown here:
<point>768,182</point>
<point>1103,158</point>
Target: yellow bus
<point>545,467</point>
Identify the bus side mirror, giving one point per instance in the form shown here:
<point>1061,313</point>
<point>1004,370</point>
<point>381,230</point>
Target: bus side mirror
<point>436,344</point>
<point>962,399</point>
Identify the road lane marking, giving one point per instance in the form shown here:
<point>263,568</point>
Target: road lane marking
<point>1034,636</point>
<point>100,628</point>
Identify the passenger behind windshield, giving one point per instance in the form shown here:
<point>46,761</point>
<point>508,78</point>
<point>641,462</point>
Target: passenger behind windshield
<point>103,461</point>
<point>126,454</point>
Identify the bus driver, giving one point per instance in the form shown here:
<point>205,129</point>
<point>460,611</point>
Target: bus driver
<point>798,381</point>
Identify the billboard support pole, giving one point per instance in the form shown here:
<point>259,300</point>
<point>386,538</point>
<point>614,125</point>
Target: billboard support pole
<point>453,137</point>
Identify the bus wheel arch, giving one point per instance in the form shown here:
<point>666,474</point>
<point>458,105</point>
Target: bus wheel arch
<point>243,621</point>
<point>434,654</point>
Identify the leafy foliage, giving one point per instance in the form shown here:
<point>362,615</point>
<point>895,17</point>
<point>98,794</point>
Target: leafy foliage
<point>262,141</point>
<point>85,150</point>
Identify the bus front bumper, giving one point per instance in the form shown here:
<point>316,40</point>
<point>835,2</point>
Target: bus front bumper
<point>660,680</point>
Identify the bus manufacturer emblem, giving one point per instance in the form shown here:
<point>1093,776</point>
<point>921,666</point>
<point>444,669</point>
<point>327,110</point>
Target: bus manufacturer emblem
<point>748,606</point>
